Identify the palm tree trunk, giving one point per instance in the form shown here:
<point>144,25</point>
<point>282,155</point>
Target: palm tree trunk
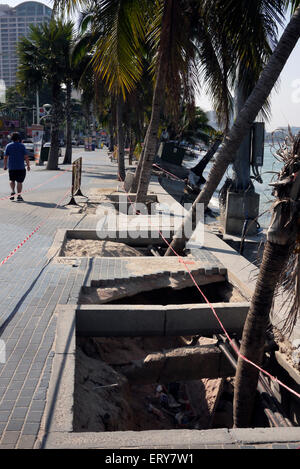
<point>200,167</point>
<point>228,150</point>
<point>120,131</point>
<point>252,347</point>
<point>112,124</point>
<point>281,238</point>
<point>151,139</point>
<point>56,113</point>
<point>137,174</point>
<point>68,152</point>
<point>157,101</point>
<point>241,166</point>
<point>132,142</point>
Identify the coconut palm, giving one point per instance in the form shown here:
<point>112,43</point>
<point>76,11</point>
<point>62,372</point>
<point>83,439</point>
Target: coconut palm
<point>42,58</point>
<point>113,31</point>
<point>227,151</point>
<point>251,28</point>
<point>221,40</point>
<point>175,68</point>
<point>279,267</point>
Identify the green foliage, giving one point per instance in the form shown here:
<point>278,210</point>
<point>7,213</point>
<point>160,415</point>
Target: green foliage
<point>224,41</point>
<point>44,55</point>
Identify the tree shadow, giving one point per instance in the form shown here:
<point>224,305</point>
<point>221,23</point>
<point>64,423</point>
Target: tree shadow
<point>45,204</point>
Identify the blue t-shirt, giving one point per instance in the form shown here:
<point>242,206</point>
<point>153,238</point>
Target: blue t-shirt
<point>15,152</point>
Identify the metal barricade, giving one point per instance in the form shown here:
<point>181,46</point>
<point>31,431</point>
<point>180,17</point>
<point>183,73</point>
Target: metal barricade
<point>76,181</point>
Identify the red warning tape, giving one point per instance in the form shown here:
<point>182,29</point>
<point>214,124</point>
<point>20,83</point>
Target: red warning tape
<point>167,172</point>
<point>223,328</point>
<point>273,378</point>
<point>36,187</point>
<point>38,227</point>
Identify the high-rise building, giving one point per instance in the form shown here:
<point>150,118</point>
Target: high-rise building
<point>14,23</point>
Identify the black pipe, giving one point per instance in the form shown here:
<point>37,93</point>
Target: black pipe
<point>271,407</point>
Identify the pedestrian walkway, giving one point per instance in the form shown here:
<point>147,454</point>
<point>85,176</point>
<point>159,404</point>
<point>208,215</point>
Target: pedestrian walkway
<point>32,284</point>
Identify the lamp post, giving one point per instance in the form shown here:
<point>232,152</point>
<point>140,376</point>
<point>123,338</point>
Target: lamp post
<point>47,108</point>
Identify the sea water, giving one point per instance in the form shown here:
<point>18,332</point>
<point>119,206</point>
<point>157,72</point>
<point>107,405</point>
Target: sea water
<point>268,173</point>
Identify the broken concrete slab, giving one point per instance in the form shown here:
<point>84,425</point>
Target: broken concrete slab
<point>182,364</point>
<point>152,320</point>
<point>170,267</point>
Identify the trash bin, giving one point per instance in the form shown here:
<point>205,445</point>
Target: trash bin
<point>44,153</point>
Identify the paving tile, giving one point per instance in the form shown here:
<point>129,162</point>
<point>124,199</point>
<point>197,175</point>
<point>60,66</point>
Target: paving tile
<point>31,429</point>
<point>10,437</point>
<point>34,416</point>
<point>37,405</point>
<point>6,405</point>
<point>19,413</point>
<point>4,416</point>
<point>23,402</point>
<point>15,425</point>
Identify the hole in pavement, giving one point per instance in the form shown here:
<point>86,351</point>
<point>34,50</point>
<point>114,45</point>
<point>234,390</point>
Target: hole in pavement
<point>104,400</point>
<point>218,292</point>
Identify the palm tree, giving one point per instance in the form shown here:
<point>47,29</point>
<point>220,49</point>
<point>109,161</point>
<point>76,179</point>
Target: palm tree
<point>216,52</point>
<point>42,56</point>
<point>113,31</point>
<point>174,68</point>
<point>255,29</point>
<point>280,266</point>
<point>192,125</point>
<point>227,152</point>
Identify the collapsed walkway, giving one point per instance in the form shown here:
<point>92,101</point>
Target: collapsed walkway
<point>33,284</point>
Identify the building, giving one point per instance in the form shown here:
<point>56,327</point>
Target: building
<point>14,23</point>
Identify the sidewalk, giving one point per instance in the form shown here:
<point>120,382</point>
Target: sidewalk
<point>31,287</point>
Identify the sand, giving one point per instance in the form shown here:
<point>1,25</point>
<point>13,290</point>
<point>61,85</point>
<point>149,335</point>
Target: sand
<point>93,248</point>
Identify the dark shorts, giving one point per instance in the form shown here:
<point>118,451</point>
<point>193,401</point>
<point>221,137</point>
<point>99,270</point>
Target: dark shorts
<point>17,175</point>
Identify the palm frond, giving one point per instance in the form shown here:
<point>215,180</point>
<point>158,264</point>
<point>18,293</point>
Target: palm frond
<point>117,58</point>
<point>289,284</point>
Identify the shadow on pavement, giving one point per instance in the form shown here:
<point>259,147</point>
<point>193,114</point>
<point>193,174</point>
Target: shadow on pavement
<point>44,204</point>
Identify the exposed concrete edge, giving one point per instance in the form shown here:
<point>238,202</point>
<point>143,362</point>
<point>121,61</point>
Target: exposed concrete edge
<point>137,440</point>
<point>57,244</point>
<point>170,439</point>
<point>294,374</point>
<point>265,435</point>
<point>58,414</point>
<point>157,320</point>
<point>57,423</point>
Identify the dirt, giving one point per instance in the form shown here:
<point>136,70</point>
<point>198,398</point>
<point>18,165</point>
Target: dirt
<point>105,401</point>
<point>287,349</point>
<point>92,248</point>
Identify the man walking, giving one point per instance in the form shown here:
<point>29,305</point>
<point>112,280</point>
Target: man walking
<point>16,154</point>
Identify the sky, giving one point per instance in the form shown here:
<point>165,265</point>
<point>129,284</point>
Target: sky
<point>285,101</point>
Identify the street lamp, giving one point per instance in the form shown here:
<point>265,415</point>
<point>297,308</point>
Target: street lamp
<point>47,108</point>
